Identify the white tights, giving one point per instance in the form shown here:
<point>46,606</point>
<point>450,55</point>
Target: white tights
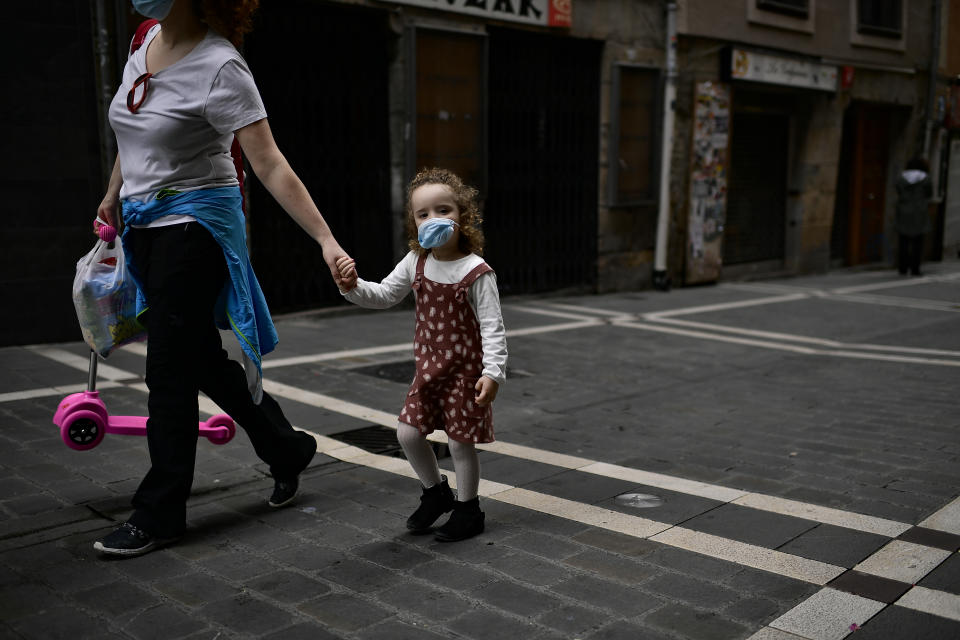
<point>424,462</point>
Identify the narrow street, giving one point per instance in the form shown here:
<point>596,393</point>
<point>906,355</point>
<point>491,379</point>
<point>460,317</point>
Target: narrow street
<point>769,460</point>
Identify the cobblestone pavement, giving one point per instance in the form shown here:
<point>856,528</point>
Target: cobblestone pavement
<point>770,460</point>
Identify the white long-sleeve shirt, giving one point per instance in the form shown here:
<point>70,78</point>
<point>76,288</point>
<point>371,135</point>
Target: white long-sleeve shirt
<point>482,297</point>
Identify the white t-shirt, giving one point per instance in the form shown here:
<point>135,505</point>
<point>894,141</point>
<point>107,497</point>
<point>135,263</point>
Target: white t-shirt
<point>482,296</point>
<point>181,135</point>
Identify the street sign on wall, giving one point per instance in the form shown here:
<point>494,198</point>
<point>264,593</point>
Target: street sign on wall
<point>789,72</point>
<point>547,13</point>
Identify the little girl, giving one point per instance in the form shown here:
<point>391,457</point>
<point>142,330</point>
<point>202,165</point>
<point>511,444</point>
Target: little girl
<point>459,345</point>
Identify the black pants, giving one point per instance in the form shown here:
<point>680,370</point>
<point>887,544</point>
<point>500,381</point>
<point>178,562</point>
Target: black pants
<point>183,271</point>
<point>911,250</point>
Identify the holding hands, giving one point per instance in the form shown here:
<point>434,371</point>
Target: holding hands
<point>346,275</point>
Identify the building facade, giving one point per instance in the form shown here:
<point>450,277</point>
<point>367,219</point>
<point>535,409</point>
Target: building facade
<point>794,118</point>
<point>779,152</point>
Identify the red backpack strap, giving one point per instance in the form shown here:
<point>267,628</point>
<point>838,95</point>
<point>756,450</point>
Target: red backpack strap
<point>141,34</point>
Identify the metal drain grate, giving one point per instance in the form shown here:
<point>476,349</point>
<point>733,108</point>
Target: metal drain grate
<point>406,370</point>
<point>382,441</point>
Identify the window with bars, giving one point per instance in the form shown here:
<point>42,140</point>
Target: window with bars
<point>795,8</point>
<point>880,18</point>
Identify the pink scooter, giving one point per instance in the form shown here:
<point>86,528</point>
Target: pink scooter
<point>84,421</point>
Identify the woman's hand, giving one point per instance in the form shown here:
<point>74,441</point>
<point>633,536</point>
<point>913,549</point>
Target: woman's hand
<point>486,391</point>
<point>109,210</point>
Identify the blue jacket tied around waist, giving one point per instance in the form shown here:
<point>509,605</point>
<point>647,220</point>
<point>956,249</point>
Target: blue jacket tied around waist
<point>241,305</point>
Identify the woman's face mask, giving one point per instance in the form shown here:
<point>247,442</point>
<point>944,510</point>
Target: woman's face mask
<point>156,9</point>
<point>435,232</point>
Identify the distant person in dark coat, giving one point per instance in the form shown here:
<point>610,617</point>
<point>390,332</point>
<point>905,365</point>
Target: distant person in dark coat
<point>914,191</point>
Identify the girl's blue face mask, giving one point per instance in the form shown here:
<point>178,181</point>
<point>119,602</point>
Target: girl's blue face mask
<point>156,9</point>
<point>435,232</point>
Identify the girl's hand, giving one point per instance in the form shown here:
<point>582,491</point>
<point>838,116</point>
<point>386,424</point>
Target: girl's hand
<point>346,266</point>
<point>486,391</point>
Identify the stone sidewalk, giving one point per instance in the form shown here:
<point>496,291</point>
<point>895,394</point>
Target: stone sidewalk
<point>772,460</point>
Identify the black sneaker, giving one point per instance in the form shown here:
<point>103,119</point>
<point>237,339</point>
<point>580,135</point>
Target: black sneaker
<point>129,540</point>
<point>435,501</point>
<point>465,522</point>
<point>284,491</point>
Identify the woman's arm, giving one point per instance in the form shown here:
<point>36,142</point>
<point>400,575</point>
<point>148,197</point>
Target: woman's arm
<point>108,209</point>
<point>278,177</point>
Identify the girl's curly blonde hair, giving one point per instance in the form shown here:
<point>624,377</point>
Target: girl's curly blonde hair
<point>230,18</point>
<point>464,196</point>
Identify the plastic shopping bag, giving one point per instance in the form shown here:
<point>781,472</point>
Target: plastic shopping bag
<point>105,297</point>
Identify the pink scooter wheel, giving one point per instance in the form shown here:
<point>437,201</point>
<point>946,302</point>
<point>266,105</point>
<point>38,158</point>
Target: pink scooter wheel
<point>219,429</point>
<point>83,430</point>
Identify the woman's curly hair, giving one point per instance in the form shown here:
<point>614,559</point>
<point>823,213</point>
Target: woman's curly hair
<point>230,18</point>
<point>464,196</point>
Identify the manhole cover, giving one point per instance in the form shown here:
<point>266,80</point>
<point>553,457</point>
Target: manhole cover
<point>639,500</point>
<point>382,441</point>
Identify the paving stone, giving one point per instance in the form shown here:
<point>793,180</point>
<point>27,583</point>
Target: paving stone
<point>771,585</point>
<point>392,555</point>
<point>693,563</point>
<point>553,547</point>
<point>399,630</point>
<point>60,623</point>
<point>162,622</point>
<point>195,589</point>
<point>452,575</point>
<point>528,568</point>
<point>752,526</point>
<point>699,593</point>
<point>303,631</point>
<point>307,557</point>
<point>237,564</point>
<point>693,623</point>
<point>945,577</point>
<point>287,586</point>
<point>153,566</point>
<point>621,630</point>
<point>834,545</point>
<point>615,542</point>
<point>623,601</point>
<point>120,600</point>
<point>359,575</point>
<point>344,611</point>
<point>574,620</point>
<point>612,567</point>
<point>245,614</point>
<point>515,598</point>
<point>425,601</point>
<point>20,600</point>
<point>752,610</point>
<point>906,624</point>
<point>490,625</point>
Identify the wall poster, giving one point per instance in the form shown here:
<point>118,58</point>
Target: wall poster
<point>708,181</point>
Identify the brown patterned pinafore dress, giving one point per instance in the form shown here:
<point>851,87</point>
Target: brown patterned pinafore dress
<point>449,356</point>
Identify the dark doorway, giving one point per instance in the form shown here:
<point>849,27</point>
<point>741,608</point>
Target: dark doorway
<point>322,71</point>
<point>756,202</point>
<point>541,210</point>
<point>857,236</point>
<point>50,171</point>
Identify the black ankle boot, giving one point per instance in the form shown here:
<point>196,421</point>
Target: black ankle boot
<point>465,522</point>
<point>435,501</point>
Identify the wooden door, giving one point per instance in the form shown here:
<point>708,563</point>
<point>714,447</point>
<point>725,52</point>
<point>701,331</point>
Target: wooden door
<point>449,103</point>
<point>871,148</point>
